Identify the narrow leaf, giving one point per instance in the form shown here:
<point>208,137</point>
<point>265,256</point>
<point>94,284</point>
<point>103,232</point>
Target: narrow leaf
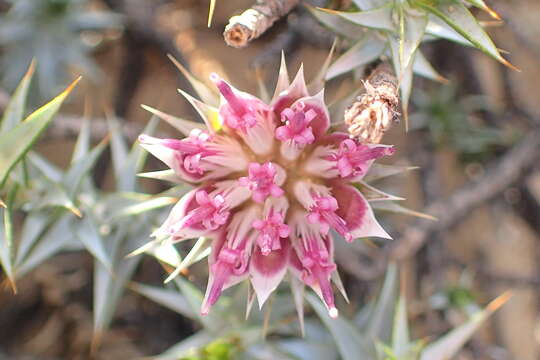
<point>350,343</point>
<point>199,251</point>
<point>380,19</point>
<point>457,15</point>
<point>396,208</point>
<point>337,24</point>
<point>14,112</point>
<point>170,299</point>
<point>15,143</point>
<point>363,52</point>
<point>447,346</point>
<point>205,93</point>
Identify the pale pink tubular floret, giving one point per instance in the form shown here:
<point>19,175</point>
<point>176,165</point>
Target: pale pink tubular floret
<point>313,260</point>
<point>273,180</point>
<point>198,157</point>
<point>318,268</point>
<point>296,126</point>
<point>246,115</point>
<point>353,159</point>
<point>271,230</point>
<point>227,265</point>
<point>323,213</point>
<point>262,181</point>
<point>210,213</point>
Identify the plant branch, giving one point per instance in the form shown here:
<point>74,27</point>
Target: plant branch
<point>511,168</point>
<point>253,22</point>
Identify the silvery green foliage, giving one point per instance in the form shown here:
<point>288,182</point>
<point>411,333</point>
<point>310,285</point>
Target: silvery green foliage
<point>50,32</point>
<point>396,28</point>
<point>46,210</point>
<point>378,331</point>
<point>30,186</point>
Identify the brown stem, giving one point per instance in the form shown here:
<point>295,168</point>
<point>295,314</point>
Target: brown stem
<point>253,22</point>
<point>512,167</point>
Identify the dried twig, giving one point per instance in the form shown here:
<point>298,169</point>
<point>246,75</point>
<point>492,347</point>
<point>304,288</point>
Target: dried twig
<point>253,22</point>
<point>509,169</point>
<point>375,111</point>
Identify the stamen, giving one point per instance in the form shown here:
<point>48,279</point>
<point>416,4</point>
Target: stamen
<point>324,214</point>
<point>271,230</point>
<point>210,214</point>
<point>261,181</point>
<point>352,158</point>
<point>296,128</point>
<point>318,267</point>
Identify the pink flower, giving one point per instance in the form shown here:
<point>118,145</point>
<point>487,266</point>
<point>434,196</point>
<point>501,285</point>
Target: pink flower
<point>271,180</point>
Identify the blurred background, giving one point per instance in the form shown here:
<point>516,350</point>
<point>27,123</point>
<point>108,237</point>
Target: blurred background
<point>474,139</point>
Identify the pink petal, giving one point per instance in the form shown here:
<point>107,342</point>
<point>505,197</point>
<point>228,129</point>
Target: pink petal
<point>287,97</point>
<point>321,122</point>
<point>224,270</point>
<point>267,271</point>
<point>357,212</point>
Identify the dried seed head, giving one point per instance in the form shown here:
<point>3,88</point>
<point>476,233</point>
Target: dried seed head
<point>375,111</point>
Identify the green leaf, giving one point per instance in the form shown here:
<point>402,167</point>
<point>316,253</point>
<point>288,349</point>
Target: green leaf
<point>422,67</point>
<point>337,24</point>
<point>182,125</point>
<point>81,167</point>
<point>370,4</point>
<point>350,343</point>
<point>15,143</point>
<point>108,287</point>
<point>82,146</point>
<point>412,25</point>
<point>437,28</point>
<point>482,5</point>
<point>86,230</point>
<point>380,171</point>
<point>7,246</point>
<point>455,14</point>
<point>363,52</point>
<point>379,325</point>
<point>400,331</point>
<point>165,252</point>
<point>206,94</point>
<point>148,205</point>
<point>170,299</point>
<point>47,245</point>
<point>396,208</point>
<point>34,225</point>
<point>14,112</point>
<point>447,346</point>
<point>56,195</point>
<point>404,75</point>
<point>213,321</point>
<point>199,251</point>
<point>186,347</point>
<point>165,175</point>
<point>380,19</point>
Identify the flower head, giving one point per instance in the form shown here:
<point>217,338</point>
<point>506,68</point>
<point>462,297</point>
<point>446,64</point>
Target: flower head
<point>272,181</point>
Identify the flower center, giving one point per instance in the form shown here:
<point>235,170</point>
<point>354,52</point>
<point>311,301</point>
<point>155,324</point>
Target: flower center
<point>296,128</point>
